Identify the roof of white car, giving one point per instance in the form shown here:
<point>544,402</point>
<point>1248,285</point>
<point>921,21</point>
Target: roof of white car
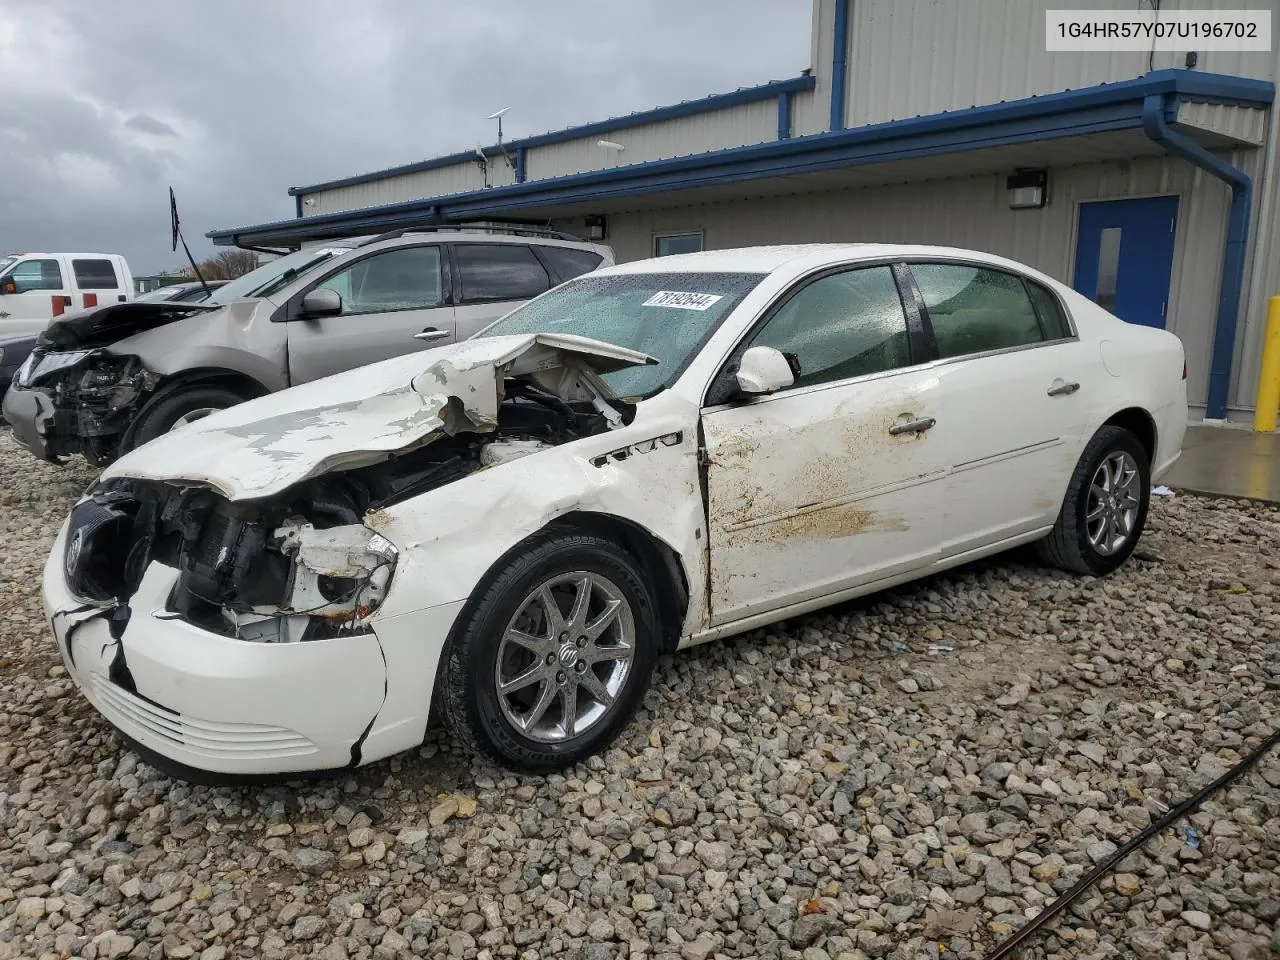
<point>803,255</point>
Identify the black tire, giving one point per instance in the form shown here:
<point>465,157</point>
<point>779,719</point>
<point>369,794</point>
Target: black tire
<point>467,686</point>
<point>161,413</point>
<point>1068,546</point>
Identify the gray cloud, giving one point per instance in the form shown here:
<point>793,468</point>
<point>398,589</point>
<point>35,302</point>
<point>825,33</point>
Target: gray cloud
<point>105,105</point>
<point>144,123</point>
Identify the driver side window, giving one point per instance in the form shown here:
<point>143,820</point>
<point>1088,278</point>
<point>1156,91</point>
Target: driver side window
<point>407,278</point>
<point>36,275</point>
<point>843,325</point>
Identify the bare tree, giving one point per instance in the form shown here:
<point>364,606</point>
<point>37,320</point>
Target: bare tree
<point>226,265</point>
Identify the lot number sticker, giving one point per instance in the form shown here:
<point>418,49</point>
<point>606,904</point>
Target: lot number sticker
<point>682,301</point>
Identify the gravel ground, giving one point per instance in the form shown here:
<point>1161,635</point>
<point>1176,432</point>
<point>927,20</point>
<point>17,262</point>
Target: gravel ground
<point>837,786</point>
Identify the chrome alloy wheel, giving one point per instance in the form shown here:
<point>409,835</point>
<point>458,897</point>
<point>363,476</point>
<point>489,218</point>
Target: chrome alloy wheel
<point>191,416</point>
<point>1115,495</point>
<point>565,656</point>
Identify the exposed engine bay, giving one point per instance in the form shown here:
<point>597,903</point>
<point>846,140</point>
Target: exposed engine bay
<point>94,397</point>
<point>300,564</point>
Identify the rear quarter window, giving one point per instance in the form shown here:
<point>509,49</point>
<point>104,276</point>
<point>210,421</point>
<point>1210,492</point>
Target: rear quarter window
<point>567,262</point>
<point>95,275</point>
<point>1052,317</point>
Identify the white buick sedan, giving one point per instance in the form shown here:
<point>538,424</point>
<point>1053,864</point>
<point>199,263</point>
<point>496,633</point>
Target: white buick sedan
<point>513,528</point>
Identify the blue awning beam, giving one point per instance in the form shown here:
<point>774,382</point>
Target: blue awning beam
<point>1176,144</point>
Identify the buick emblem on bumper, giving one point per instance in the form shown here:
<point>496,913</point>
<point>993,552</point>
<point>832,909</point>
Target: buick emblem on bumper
<point>74,547</point>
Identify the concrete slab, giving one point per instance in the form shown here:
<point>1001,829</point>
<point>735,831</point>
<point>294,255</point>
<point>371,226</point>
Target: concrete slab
<point>1228,461</point>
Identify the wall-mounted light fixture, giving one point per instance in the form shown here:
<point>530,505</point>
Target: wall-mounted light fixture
<point>1028,189</point>
<point>595,227</point>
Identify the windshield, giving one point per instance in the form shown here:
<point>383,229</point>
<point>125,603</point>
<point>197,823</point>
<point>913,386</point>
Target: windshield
<point>160,293</point>
<point>273,275</point>
<point>6,262</point>
<point>666,315</point>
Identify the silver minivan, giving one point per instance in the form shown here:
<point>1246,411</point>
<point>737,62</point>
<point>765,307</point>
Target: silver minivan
<point>101,382</point>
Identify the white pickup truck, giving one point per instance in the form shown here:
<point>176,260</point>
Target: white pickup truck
<point>36,287</point>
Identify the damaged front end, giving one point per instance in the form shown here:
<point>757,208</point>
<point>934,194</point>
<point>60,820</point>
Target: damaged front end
<point>294,561</point>
<point>297,568</point>
<point>79,401</point>
<point>71,395</point>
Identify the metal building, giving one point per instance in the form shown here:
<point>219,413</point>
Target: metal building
<point>1148,181</point>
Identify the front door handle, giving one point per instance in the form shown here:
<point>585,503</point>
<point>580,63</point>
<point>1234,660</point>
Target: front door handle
<point>1061,389</point>
<point>431,333</point>
<point>912,426</point>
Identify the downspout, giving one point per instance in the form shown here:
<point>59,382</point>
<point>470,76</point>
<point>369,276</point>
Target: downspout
<point>839,64</point>
<point>1233,252</point>
<point>297,204</point>
<point>784,115</point>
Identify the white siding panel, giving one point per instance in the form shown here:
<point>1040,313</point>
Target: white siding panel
<point>917,57</point>
<point>683,136</point>
<point>974,213</point>
<point>442,181</point>
<point>1238,124</point>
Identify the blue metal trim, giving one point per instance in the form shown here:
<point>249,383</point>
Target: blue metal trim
<point>520,162</point>
<point>297,204</point>
<point>1116,106</point>
<point>688,108</point>
<point>1155,126</point>
<point>784,115</point>
<point>839,65</point>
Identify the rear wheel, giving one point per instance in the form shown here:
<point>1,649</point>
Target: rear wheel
<point>555,656</point>
<point>178,408</point>
<point>1105,508</point>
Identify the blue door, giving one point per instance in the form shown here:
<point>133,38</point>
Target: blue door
<point>1124,256</point>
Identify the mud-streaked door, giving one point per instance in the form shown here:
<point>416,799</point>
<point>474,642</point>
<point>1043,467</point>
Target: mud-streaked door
<point>834,481</point>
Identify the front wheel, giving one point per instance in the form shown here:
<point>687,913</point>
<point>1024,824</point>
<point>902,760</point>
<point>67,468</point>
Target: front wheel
<point>1105,508</point>
<point>553,659</point>
<point>178,408</point>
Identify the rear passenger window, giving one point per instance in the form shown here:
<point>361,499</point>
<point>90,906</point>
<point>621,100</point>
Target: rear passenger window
<point>568,263</point>
<point>1052,319</point>
<point>95,275</point>
<point>973,310</point>
<point>496,271</point>
<point>840,326</point>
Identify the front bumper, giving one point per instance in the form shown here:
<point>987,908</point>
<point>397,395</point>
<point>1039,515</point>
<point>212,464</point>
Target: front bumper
<point>216,704</point>
<point>30,412</point>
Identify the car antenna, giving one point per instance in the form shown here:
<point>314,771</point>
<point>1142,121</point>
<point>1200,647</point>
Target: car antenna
<point>177,235</point>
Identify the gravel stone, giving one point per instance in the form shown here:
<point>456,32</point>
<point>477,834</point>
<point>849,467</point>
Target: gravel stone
<point>776,796</point>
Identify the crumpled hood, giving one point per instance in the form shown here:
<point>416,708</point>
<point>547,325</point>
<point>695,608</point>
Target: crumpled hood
<point>351,419</point>
<point>107,324</point>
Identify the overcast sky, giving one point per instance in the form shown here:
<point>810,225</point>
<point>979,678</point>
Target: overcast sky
<point>104,105</point>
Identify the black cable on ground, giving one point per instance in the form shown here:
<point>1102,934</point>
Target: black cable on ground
<point>1020,937</point>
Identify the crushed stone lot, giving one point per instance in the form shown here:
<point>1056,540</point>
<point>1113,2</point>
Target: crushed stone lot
<point>910,775</point>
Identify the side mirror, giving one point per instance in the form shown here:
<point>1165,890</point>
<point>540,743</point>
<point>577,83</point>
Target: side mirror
<point>763,370</point>
<point>322,303</point>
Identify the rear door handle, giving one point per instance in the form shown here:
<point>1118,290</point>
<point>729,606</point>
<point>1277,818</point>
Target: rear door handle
<point>912,426</point>
<point>431,333</point>
<point>1061,389</point>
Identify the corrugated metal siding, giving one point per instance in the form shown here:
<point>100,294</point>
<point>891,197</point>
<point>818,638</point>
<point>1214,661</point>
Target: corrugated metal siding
<point>1262,279</point>
<point>733,127</point>
<point>443,181</point>
<point>809,111</point>
<point>1240,124</point>
<point>916,57</point>
<point>974,213</point>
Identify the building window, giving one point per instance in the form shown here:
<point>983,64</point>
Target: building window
<point>668,243</point>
